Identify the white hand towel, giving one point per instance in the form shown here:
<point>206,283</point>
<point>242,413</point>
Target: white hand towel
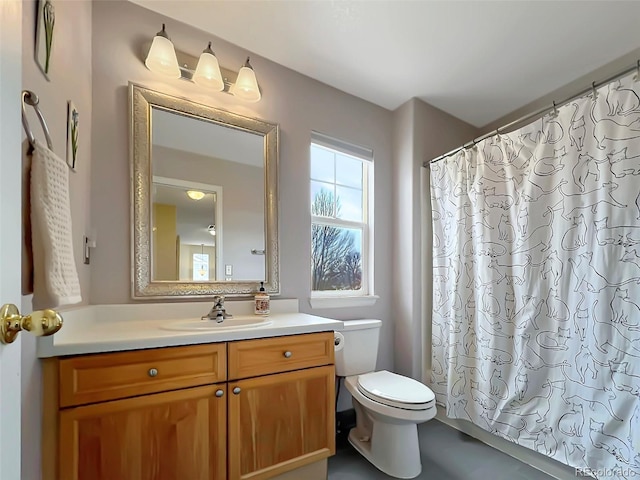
<point>55,281</point>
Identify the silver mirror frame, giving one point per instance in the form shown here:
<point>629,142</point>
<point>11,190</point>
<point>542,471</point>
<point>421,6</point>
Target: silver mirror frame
<point>141,101</point>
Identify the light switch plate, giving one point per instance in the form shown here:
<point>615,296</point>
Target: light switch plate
<point>228,270</point>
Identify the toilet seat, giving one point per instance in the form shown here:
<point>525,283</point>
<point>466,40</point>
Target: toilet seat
<point>396,390</point>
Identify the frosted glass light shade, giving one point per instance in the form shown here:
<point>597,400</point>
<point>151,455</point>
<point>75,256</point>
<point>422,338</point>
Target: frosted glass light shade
<point>246,86</point>
<point>162,56</point>
<point>207,72</point>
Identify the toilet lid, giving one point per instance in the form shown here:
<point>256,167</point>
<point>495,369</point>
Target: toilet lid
<point>395,390</point>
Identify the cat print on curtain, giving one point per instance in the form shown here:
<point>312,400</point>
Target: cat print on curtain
<point>536,269</point>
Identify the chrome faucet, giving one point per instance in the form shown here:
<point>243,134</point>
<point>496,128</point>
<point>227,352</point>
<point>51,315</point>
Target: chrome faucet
<point>217,312</point>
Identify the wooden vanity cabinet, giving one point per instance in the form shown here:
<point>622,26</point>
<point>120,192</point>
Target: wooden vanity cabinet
<point>172,435</point>
<point>280,421</point>
<point>181,413</point>
<point>141,415</point>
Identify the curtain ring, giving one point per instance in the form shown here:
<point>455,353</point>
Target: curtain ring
<point>594,91</point>
<point>555,109</point>
<point>637,71</point>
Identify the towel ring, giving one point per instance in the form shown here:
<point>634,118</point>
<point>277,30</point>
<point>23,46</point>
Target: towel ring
<point>30,98</point>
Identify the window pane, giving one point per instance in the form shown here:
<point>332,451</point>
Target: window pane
<point>348,171</point>
<point>349,204</point>
<point>322,164</point>
<point>322,199</point>
<point>336,258</point>
<point>200,267</point>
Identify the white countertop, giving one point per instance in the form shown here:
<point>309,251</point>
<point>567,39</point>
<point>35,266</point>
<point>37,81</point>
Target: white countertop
<point>110,328</point>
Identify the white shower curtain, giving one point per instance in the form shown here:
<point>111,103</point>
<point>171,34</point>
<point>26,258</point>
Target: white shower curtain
<point>536,273</point>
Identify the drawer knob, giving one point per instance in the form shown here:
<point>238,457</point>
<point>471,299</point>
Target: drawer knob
<point>219,393</point>
<point>153,372</point>
<point>236,390</point>
<point>287,354</point>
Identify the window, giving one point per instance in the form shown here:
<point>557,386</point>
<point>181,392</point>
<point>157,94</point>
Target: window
<point>200,267</point>
<point>340,218</point>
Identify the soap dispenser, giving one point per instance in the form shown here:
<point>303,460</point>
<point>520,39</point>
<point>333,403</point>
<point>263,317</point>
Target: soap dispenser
<point>262,301</point>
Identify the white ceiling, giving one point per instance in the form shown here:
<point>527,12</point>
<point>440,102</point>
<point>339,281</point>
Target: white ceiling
<point>477,60</point>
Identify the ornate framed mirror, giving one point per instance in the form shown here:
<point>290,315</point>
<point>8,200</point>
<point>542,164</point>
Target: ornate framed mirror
<point>204,196</point>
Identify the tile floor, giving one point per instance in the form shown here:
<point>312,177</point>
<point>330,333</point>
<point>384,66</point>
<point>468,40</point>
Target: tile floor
<point>447,454</point>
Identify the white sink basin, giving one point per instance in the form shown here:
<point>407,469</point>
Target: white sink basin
<point>198,325</point>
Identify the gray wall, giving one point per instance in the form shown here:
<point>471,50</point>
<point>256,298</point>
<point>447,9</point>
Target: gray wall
<point>570,89</point>
<point>297,103</point>
<point>421,132</point>
<point>96,79</point>
<point>70,79</point>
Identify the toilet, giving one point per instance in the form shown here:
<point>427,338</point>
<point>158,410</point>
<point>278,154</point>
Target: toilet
<point>388,406</point>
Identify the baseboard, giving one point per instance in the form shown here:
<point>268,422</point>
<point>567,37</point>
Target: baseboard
<point>540,462</point>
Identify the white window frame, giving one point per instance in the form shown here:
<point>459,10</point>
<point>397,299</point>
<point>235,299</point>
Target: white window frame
<point>193,267</point>
<point>365,295</point>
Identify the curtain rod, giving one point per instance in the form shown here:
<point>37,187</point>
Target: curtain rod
<point>538,113</point>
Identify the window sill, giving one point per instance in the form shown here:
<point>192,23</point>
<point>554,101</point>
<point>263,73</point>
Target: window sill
<point>342,302</point>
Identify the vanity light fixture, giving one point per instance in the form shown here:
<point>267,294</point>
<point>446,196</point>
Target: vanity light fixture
<point>162,56</point>
<point>207,72</point>
<point>164,59</point>
<point>246,86</point>
<point>195,194</point>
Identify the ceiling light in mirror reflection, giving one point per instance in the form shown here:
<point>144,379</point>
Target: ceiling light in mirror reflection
<point>195,194</point>
<point>180,232</point>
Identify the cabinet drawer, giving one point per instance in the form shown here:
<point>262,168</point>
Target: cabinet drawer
<point>110,376</point>
<point>251,358</point>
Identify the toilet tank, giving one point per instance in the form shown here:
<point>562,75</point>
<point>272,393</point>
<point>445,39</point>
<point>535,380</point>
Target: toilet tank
<point>360,351</point>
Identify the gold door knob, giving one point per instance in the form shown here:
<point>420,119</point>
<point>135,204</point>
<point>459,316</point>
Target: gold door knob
<point>40,323</point>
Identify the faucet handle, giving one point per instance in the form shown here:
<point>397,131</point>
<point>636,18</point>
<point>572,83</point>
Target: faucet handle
<point>218,300</point>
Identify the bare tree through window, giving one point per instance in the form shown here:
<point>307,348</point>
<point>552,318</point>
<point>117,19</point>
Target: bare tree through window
<point>336,261</point>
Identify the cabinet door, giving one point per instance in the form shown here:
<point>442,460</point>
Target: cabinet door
<point>176,435</point>
<point>280,422</point>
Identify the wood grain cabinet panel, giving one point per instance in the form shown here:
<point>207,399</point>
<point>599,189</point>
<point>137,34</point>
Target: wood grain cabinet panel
<point>177,435</point>
<point>264,356</point>
<point>280,422</point>
<point>109,376</point>
<point>171,414</point>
